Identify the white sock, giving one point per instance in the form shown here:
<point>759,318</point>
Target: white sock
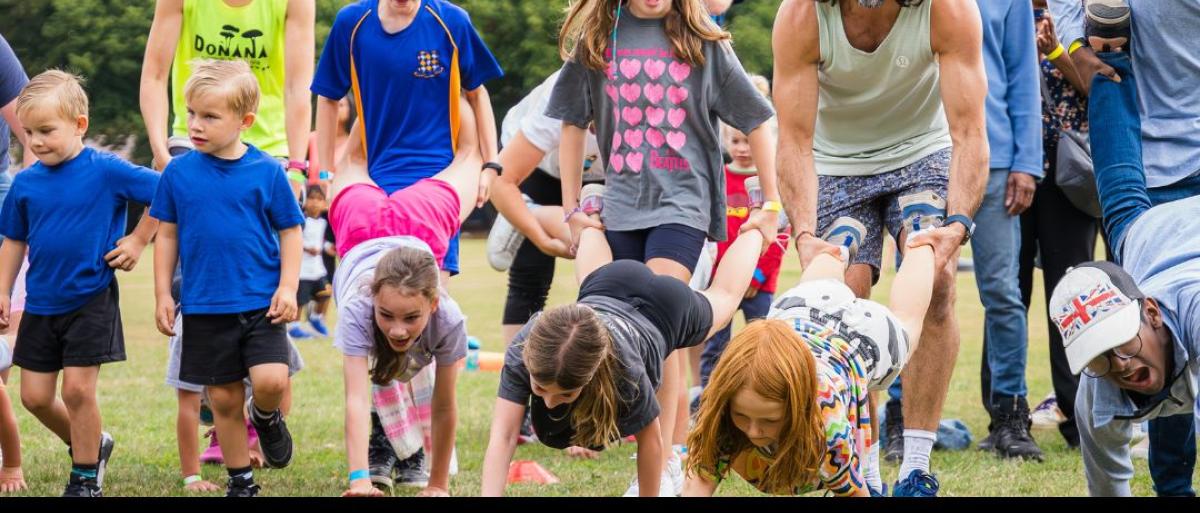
<point>871,472</point>
<point>313,316</point>
<point>917,446</point>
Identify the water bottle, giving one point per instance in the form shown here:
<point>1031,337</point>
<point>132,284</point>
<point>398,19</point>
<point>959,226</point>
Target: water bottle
<point>472,354</point>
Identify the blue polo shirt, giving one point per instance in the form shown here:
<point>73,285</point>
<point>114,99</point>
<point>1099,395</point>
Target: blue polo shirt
<point>404,80</point>
<point>228,213</point>
<point>71,215</point>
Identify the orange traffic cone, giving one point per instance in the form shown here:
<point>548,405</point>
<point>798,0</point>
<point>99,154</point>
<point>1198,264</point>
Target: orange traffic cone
<point>527,471</point>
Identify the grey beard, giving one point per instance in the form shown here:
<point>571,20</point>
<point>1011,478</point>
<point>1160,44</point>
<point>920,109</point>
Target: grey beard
<point>871,4</point>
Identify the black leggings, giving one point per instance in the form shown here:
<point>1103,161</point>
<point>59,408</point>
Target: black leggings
<point>532,272</point>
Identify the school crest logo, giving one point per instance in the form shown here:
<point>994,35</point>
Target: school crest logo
<point>428,64</point>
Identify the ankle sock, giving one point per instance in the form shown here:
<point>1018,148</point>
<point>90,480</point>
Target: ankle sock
<point>917,446</point>
<point>260,416</point>
<point>871,474</point>
<point>81,472</point>
<point>243,476</point>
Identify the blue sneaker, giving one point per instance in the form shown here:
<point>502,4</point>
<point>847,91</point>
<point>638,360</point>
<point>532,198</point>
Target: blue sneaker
<point>298,333</point>
<point>922,210</point>
<point>918,484</point>
<point>878,493</point>
<point>319,326</point>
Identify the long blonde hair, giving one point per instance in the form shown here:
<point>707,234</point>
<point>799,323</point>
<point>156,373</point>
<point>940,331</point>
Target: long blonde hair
<point>569,347</point>
<point>587,30</point>
<point>769,358</point>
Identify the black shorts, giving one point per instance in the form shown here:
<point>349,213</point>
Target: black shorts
<point>682,315</point>
<point>85,337</point>
<point>221,348</point>
<point>312,290</point>
<point>674,242</point>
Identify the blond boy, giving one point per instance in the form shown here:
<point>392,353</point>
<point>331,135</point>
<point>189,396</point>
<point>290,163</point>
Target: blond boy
<point>69,211</point>
<point>227,214</point>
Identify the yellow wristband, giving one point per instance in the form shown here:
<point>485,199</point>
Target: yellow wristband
<point>772,206</point>
<point>1056,53</point>
<point>1075,46</point>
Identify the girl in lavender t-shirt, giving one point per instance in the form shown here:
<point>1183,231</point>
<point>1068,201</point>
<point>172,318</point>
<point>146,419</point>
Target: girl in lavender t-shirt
<point>393,318</point>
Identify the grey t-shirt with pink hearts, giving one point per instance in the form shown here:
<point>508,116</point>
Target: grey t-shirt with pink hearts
<point>656,122</point>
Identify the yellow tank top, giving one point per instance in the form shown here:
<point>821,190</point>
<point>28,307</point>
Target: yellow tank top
<point>254,33</point>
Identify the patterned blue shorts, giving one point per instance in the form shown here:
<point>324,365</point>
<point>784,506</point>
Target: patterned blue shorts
<point>872,201</point>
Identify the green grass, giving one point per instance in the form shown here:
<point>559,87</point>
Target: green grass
<point>140,411</point>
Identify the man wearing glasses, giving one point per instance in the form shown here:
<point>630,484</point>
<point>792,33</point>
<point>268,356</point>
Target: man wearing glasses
<point>1133,330</point>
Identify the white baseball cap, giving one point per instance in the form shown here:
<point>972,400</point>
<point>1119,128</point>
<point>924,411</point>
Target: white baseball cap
<point>1094,307</point>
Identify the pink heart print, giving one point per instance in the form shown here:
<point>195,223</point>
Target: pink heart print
<point>655,137</point>
<point>676,139</point>
<point>654,92</point>
<point>611,90</point>
<point>634,161</point>
<point>655,115</point>
<point>631,115</point>
<point>616,141</point>
<point>631,92</point>
<point>617,161</point>
<point>633,138</point>
<point>655,68</point>
<point>677,95</point>
<point>631,67</point>
<point>676,117</point>
<point>679,70</point>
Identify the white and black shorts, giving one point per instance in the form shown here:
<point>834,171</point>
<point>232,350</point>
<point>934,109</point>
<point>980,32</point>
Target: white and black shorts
<point>876,337</point>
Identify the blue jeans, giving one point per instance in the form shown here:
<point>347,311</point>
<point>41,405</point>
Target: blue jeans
<point>753,308</point>
<point>995,248</point>
<point>1121,182</point>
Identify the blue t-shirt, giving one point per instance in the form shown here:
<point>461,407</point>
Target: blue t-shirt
<point>71,215</point>
<point>12,79</point>
<point>227,212</point>
<point>405,84</point>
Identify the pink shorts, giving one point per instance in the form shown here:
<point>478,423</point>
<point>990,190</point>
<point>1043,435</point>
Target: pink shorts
<point>427,210</point>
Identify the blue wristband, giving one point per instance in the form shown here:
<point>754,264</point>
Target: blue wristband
<point>359,474</point>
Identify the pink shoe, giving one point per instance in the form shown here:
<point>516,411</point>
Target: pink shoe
<point>212,455</point>
<point>251,435</point>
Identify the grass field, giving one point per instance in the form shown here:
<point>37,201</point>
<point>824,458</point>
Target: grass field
<point>140,412</point>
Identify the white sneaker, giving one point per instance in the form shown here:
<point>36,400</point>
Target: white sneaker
<point>504,240</point>
<point>1140,450</point>
<point>1047,415</point>
<point>665,486</point>
<point>675,471</point>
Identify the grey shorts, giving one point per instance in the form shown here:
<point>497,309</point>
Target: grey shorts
<point>175,352</point>
<point>872,201</point>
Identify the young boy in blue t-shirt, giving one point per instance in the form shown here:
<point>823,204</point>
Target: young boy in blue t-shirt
<point>219,210</point>
<point>68,211</point>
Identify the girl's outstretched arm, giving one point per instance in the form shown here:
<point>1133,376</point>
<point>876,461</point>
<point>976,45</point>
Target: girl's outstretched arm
<point>506,425</point>
<point>358,424</point>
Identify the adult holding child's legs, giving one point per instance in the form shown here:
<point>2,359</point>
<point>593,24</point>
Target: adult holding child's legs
<point>655,94</point>
<point>898,140</point>
<point>393,318</point>
<point>275,37</point>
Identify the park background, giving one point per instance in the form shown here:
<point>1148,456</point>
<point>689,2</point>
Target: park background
<point>104,41</point>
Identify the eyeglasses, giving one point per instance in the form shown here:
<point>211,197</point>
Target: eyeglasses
<point>1101,365</point>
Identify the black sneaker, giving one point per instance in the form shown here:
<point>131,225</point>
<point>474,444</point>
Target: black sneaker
<point>381,458</point>
<point>411,471</point>
<point>989,442</point>
<point>1011,437</point>
<point>82,488</point>
<point>274,438</point>
<point>239,488</point>
<point>1107,24</point>
<point>894,450</point>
